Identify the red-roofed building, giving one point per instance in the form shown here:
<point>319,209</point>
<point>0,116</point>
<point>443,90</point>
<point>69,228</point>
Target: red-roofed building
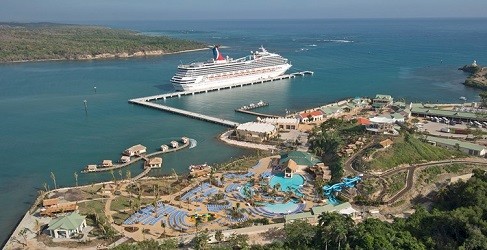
<point>312,116</point>
<point>363,121</point>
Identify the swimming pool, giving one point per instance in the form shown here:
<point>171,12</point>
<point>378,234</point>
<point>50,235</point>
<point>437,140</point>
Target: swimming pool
<point>288,207</point>
<point>287,183</point>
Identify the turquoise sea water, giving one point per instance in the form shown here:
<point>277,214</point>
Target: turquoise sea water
<point>44,127</point>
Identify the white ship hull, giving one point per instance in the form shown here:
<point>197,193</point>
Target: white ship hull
<point>205,83</point>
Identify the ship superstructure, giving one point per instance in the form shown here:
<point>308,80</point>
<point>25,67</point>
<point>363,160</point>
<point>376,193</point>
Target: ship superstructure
<point>223,71</point>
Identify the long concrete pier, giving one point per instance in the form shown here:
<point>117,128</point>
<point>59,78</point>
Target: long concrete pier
<point>208,118</point>
<point>146,101</point>
<point>184,93</point>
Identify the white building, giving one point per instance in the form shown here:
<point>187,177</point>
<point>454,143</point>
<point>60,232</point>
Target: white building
<point>67,226</point>
<point>256,131</point>
<point>135,150</point>
<point>282,122</point>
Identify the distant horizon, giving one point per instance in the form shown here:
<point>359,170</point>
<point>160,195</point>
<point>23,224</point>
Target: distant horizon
<point>241,19</point>
<point>144,10</point>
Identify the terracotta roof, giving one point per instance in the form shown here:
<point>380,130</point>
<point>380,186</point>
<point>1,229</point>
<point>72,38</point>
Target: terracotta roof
<point>312,113</point>
<point>363,121</point>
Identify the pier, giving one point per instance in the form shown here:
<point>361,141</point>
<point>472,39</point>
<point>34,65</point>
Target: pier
<point>138,158</point>
<point>185,93</point>
<point>147,101</point>
<point>249,112</point>
<point>183,112</point>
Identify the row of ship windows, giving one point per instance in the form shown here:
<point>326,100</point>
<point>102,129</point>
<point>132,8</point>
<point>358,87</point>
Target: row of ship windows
<point>226,69</point>
<point>230,75</point>
<point>270,60</point>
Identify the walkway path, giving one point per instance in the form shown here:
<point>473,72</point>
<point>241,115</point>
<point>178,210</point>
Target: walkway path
<point>224,137</point>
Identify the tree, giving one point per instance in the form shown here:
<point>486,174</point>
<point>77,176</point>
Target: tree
<point>200,241</point>
<point>299,234</point>
<point>121,174</point>
<point>219,236</point>
<point>483,98</point>
<point>238,241</point>
<point>128,175</point>
<point>76,178</point>
<point>333,229</point>
<point>53,177</point>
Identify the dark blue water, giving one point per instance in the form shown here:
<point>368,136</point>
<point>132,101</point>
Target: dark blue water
<point>44,127</point>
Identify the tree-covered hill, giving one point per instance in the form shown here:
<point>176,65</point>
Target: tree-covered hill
<point>47,41</point>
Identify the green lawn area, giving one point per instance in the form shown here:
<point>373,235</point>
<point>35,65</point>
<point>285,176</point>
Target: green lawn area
<point>121,203</point>
<point>396,183</point>
<point>408,149</point>
<point>91,207</point>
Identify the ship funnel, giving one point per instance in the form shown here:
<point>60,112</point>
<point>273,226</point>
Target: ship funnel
<point>217,55</point>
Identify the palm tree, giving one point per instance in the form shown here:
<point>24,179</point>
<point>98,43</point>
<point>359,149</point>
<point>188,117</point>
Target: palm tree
<point>53,177</point>
<point>128,175</point>
<point>37,227</point>
<point>175,174</point>
<point>46,188</point>
<point>120,173</point>
<point>163,225</point>
<point>76,178</point>
<point>113,176</point>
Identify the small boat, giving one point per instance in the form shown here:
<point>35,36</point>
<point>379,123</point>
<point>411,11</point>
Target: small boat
<point>463,98</point>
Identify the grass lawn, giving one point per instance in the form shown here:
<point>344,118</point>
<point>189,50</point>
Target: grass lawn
<point>396,183</point>
<point>121,203</point>
<point>408,149</point>
<point>119,218</point>
<point>91,207</point>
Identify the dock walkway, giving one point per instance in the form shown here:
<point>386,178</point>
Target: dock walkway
<point>138,158</point>
<point>183,112</point>
<point>147,101</point>
<point>255,113</point>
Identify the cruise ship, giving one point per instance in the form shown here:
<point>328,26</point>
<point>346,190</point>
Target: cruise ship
<point>223,71</point>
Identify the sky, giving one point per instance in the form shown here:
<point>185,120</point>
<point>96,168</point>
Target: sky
<point>126,10</point>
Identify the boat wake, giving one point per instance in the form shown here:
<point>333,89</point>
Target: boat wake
<point>337,41</point>
<point>192,143</point>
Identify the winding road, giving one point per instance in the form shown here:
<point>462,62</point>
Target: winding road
<point>409,168</point>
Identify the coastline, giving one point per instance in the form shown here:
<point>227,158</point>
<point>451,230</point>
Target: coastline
<point>123,55</point>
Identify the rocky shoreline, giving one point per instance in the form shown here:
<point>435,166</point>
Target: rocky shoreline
<point>111,56</point>
<point>478,76</point>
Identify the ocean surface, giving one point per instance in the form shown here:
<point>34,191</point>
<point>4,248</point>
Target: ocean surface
<point>44,127</point>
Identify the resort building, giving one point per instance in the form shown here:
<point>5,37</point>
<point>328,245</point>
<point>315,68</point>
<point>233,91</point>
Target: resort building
<point>256,131</point>
<point>199,170</point>
<point>332,111</point>
<point>67,226</point>
<point>135,150</point>
<point>284,123</point>
<point>466,147</point>
<point>185,140</point>
<point>462,113</point>
<point>155,162</point>
<point>381,101</point>
<point>125,159</point>
<point>321,172</point>
<point>91,168</point>
<point>311,116</point>
<point>107,163</point>
<point>295,161</point>
<point>386,143</point>
<point>50,202</point>
<point>174,144</point>
<point>164,148</point>
<point>363,121</point>
<point>59,208</point>
<point>312,217</point>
